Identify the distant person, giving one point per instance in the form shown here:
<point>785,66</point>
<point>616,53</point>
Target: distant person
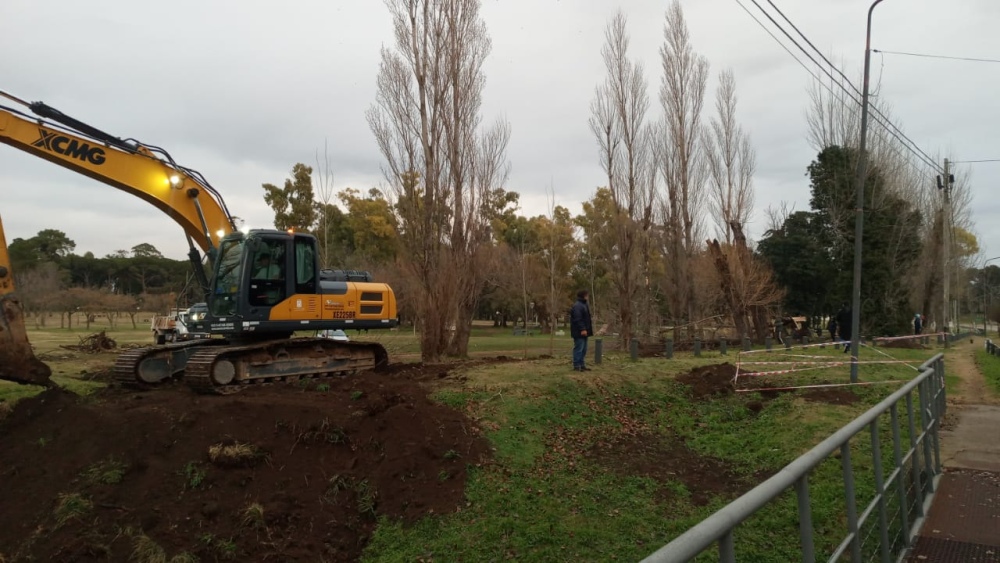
<point>918,323</point>
<point>844,325</point>
<point>581,328</point>
<point>832,327</point>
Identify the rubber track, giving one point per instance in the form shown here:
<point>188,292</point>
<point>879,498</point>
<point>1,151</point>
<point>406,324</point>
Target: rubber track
<point>126,370</point>
<point>197,373</point>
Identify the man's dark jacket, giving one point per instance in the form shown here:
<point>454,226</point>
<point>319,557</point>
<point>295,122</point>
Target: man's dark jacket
<point>579,319</point>
<point>844,323</point>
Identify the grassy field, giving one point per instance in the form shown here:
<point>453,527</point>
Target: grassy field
<point>610,464</point>
<point>990,367</point>
<point>585,463</point>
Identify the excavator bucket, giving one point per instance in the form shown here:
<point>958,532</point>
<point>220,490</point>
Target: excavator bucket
<point>17,360</point>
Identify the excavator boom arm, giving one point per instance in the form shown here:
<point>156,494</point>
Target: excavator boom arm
<point>137,170</point>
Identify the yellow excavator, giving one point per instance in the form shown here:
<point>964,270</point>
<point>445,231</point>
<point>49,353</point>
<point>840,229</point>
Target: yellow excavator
<point>265,284</point>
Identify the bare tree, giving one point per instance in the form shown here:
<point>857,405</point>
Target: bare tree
<point>618,121</point>
<point>747,286</point>
<point>731,162</point>
<point>681,163</point>
<point>439,162</point>
<point>323,180</point>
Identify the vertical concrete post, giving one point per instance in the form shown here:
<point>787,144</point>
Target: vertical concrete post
<point>598,350</point>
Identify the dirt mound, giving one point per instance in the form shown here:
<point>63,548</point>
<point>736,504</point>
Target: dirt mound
<point>665,460</point>
<point>709,381</point>
<point>279,473</point>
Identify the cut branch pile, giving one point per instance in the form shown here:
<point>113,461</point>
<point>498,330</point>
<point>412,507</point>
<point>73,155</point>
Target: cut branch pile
<point>93,344</point>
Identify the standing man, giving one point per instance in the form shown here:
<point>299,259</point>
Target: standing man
<point>580,327</point>
<point>265,269</point>
<point>844,325</point>
<point>918,324</point>
<point>832,327</point>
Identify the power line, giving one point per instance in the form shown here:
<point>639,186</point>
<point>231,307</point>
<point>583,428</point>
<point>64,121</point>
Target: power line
<point>971,59</point>
<point>888,124</point>
<point>974,161</point>
<point>897,150</point>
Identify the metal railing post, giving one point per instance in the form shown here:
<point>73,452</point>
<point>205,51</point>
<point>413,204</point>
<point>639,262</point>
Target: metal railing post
<point>925,429</point>
<point>908,469</point>
<point>897,460</point>
<point>917,481</point>
<point>852,509</point>
<point>938,400</point>
<point>727,548</point>
<point>883,518</point>
<point>805,520</point>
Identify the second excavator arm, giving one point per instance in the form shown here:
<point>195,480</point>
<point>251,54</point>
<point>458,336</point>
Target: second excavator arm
<point>17,360</point>
<point>142,170</point>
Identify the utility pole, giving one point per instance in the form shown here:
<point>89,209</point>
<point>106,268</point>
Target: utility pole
<point>859,218</point>
<point>945,185</point>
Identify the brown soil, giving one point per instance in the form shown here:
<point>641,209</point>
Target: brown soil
<point>632,447</point>
<point>665,460</point>
<point>709,381</point>
<point>972,388</point>
<point>323,465</point>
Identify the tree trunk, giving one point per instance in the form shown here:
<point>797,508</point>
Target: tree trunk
<point>459,345</point>
<point>736,310</point>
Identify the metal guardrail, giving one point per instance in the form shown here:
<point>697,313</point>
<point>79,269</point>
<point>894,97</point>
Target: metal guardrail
<point>908,488</point>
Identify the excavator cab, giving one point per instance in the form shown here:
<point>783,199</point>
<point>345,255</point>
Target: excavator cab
<point>17,360</point>
<point>259,272</point>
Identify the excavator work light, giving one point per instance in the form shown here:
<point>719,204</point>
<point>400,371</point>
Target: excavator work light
<point>175,180</point>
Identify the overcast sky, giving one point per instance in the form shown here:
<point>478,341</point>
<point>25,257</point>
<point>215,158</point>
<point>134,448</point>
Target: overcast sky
<point>242,90</point>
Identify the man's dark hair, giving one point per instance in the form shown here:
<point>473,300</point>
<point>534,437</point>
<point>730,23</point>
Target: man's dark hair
<point>582,294</point>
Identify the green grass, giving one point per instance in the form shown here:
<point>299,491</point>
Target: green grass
<point>990,368</point>
<point>106,472</point>
<point>70,506</point>
<point>542,499</point>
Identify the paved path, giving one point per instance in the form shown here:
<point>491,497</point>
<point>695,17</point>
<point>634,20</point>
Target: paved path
<point>964,520</point>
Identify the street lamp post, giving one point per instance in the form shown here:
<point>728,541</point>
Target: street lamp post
<point>859,210</point>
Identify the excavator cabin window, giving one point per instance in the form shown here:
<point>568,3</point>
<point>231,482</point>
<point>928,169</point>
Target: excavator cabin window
<point>305,265</point>
<point>226,292</point>
<point>267,282</point>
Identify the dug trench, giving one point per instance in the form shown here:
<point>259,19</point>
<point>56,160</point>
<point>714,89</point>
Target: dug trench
<point>637,450</point>
<point>276,473</point>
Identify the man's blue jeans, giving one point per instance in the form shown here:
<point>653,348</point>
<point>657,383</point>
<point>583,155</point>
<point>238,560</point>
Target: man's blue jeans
<point>579,352</point>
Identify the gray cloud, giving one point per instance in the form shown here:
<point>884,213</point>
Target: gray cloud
<point>243,90</point>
